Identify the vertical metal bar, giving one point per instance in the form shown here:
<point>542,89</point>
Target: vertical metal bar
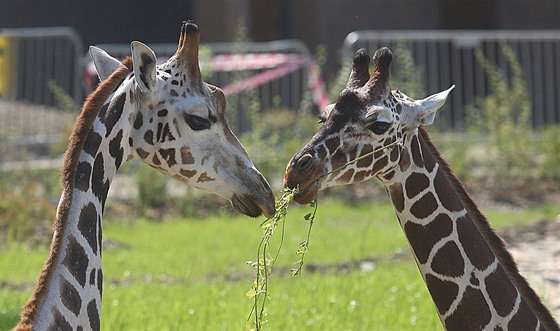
<point>537,91</point>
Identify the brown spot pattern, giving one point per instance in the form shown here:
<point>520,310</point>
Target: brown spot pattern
<point>155,160</point>
<point>70,297</point>
<point>91,145</point>
<point>83,173</point>
<point>473,244</point>
<point>380,164</point>
<point>169,156</point>
<point>116,150</point>
<point>423,238</point>
<point>397,196</point>
<point>100,282</point>
<point>149,137</point>
<point>416,183</point>
<point>187,173</point>
<point>138,121</point>
<point>448,260</point>
<point>76,261</point>
<point>394,154</point>
<point>99,186</point>
<point>446,194</point>
<point>404,162</point>
<point>59,323</point>
<point>204,178</point>
<point>425,206</point>
<point>524,319</point>
<point>332,144</point>
<point>186,155</point>
<point>360,175</point>
<point>93,315</point>
<point>472,313</point>
<point>92,277</point>
<point>501,291</point>
<point>142,153</point>
<point>347,176</point>
<point>415,151</point>
<point>443,292</point>
<point>87,225</point>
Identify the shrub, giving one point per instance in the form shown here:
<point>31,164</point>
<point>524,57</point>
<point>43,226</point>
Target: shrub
<point>275,138</point>
<point>152,191</point>
<point>503,117</point>
<point>28,205</point>
<point>549,167</point>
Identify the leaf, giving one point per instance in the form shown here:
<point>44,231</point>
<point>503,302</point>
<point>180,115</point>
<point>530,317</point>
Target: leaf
<point>307,216</point>
<point>251,293</point>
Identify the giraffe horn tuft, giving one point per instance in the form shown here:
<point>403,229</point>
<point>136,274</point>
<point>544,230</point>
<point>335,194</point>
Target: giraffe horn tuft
<point>380,82</point>
<point>187,51</point>
<point>360,70</point>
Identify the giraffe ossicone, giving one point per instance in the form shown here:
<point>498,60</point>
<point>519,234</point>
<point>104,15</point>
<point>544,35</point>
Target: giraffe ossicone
<point>472,278</point>
<point>164,115</point>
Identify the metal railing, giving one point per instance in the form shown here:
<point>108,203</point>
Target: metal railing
<point>32,58</point>
<point>448,57</point>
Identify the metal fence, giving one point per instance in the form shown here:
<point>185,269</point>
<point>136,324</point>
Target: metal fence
<point>33,58</point>
<point>448,57</point>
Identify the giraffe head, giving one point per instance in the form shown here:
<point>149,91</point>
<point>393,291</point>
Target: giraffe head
<point>366,123</point>
<point>178,124</point>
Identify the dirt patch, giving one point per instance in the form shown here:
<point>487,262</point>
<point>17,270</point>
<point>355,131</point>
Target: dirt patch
<point>536,249</point>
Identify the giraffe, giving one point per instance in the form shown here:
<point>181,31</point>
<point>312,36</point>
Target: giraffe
<point>165,116</point>
<point>472,278</point>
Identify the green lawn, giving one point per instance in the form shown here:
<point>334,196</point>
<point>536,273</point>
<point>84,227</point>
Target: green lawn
<point>191,274</point>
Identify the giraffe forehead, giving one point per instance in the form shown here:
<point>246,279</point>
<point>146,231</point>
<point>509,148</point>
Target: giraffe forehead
<point>196,104</point>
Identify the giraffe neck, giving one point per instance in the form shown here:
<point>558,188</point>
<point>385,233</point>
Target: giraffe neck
<point>470,275</point>
<point>68,293</point>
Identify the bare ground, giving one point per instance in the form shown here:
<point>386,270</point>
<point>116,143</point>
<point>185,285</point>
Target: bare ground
<point>536,249</point>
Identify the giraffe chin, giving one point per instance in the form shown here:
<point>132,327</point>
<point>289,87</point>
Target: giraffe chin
<point>250,206</point>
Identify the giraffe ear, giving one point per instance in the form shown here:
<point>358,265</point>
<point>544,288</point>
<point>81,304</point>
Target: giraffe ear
<point>104,63</point>
<point>144,66</point>
<point>426,108</point>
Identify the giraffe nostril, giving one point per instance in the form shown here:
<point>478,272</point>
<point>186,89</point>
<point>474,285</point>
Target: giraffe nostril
<point>305,162</point>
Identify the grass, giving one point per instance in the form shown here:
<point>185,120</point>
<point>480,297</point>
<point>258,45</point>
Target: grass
<point>191,274</point>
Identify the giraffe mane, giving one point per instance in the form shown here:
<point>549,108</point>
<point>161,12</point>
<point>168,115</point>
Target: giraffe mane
<point>496,244</point>
<point>79,134</point>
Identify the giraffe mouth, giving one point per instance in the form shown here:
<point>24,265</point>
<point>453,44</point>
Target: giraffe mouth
<point>251,206</point>
<point>307,194</point>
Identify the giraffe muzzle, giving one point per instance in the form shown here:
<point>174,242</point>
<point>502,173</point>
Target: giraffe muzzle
<point>303,173</point>
<point>253,206</point>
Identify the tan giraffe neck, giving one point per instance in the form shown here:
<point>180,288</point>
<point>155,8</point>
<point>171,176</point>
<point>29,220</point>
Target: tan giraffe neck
<point>471,276</point>
<point>66,276</point>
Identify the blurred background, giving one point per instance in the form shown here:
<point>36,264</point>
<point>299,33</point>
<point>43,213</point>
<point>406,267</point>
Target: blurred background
<point>279,62</point>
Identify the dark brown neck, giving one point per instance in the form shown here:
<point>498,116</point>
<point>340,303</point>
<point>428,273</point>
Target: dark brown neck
<point>472,278</point>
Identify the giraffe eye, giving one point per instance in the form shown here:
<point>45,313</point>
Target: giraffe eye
<point>197,123</point>
<point>379,127</point>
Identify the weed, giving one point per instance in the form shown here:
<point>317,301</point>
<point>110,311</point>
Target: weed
<point>503,115</point>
